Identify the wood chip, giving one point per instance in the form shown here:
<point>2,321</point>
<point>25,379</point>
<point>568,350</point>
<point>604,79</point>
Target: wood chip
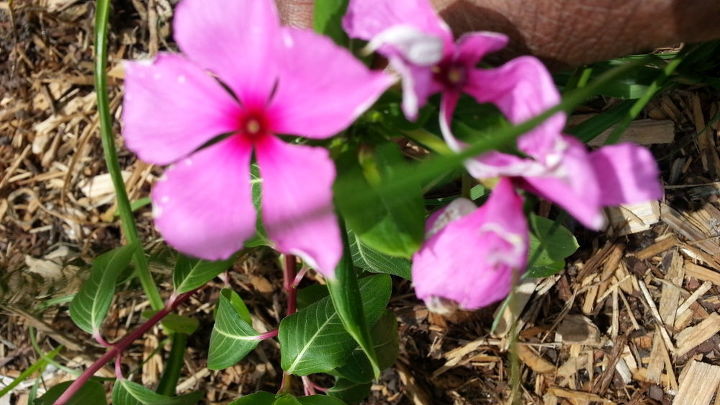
<point>657,248</point>
<point>692,337</point>
<point>633,218</point>
<point>698,385</point>
<point>533,360</point>
<point>578,395</point>
<point>701,273</point>
<point>669,300</point>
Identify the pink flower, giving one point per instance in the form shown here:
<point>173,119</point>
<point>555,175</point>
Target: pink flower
<point>243,76</point>
<point>419,46</point>
<point>471,253</point>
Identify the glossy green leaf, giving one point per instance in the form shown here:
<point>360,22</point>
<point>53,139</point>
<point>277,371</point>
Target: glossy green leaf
<point>286,400</point>
<point>550,244</point>
<point>258,398</point>
<point>373,261</point>
<point>311,294</point>
<point>92,392</point>
<point>90,305</point>
<point>320,400</point>
<point>176,323</point>
<point>192,273</point>
<point>349,303</point>
<point>129,393</point>
<point>386,343</point>
<point>327,19</point>
<point>391,223</point>
<point>232,337</point>
<point>314,340</point>
<point>350,392</point>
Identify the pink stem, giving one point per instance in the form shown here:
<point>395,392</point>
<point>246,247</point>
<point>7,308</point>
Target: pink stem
<point>119,347</point>
<point>308,386</point>
<point>300,276</point>
<point>98,338</point>
<point>267,335</point>
<point>118,367</point>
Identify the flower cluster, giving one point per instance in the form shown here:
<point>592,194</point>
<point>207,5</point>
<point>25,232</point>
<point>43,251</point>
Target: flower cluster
<point>242,78</point>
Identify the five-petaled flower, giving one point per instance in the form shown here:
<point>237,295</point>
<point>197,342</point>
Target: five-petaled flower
<point>241,79</point>
<point>472,254</point>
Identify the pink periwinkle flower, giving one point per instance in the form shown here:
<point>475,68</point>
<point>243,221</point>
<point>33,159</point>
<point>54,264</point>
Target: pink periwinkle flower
<point>245,77</point>
<point>471,254</point>
<point>418,44</point>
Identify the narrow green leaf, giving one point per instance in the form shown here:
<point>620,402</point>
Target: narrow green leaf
<point>192,273</point>
<point>258,398</point>
<point>38,366</point>
<point>349,391</point>
<point>92,392</point>
<point>90,305</point>
<point>320,400</point>
<point>129,393</point>
<point>349,303</point>
<point>373,261</point>
<point>327,19</point>
<point>233,336</point>
<point>314,340</point>
<point>386,343</point>
<point>260,238</point>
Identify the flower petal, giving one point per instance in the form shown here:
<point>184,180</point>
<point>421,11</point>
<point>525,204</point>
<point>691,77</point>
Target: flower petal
<point>366,19</point>
<point>471,261</point>
<point>297,204</point>
<point>522,89</point>
<point>417,85</point>
<point>204,207</point>
<point>322,88</point>
<point>473,46</point>
<point>573,185</point>
<point>627,174</point>
<point>237,40</point>
<point>172,107</point>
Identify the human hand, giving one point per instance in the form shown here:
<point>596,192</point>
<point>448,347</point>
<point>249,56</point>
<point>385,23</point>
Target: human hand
<point>569,32</point>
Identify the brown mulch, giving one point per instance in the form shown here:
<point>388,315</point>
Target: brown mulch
<point>632,320</point>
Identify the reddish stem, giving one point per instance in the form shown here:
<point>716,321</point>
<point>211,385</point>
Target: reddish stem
<point>289,274</point>
<point>119,347</point>
<point>267,335</point>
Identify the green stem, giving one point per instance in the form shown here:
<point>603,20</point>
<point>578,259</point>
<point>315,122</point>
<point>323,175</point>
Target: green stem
<point>38,365</point>
<point>108,142</point>
<point>174,365</point>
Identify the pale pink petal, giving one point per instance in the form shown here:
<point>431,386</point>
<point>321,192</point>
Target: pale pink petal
<point>522,89</point>
<point>473,46</point>
<point>297,207</point>
<point>171,107</point>
<point>573,185</point>
<point>203,204</point>
<point>322,88</point>
<point>439,219</point>
<point>417,85</point>
<point>471,261</point>
<point>367,19</point>
<point>237,40</point>
<point>627,174</point>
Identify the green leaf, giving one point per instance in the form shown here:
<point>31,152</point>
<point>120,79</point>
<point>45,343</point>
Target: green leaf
<point>386,343</point>
<point>258,398</point>
<point>391,223</point>
<point>286,400</point>
<point>320,400</point>
<point>550,244</point>
<point>373,261</point>
<point>232,337</point>
<point>90,305</point>
<point>327,19</point>
<point>192,273</point>
<point>260,238</point>
<point>175,323</point>
<point>349,391</point>
<point>311,294</point>
<point>349,303</point>
<point>313,340</point>
<point>92,392</point>
<point>129,393</point>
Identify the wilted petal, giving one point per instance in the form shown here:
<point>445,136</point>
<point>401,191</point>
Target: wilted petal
<point>573,185</point>
<point>627,174</point>
<point>322,88</point>
<point>171,107</point>
<point>522,89</point>
<point>367,19</point>
<point>410,44</point>
<point>471,261</point>
<point>203,206</point>
<point>439,219</point>
<point>297,205</point>
<point>473,46</point>
<point>238,40</point>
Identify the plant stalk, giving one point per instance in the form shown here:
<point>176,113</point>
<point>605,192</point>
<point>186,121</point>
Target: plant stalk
<point>142,270</point>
